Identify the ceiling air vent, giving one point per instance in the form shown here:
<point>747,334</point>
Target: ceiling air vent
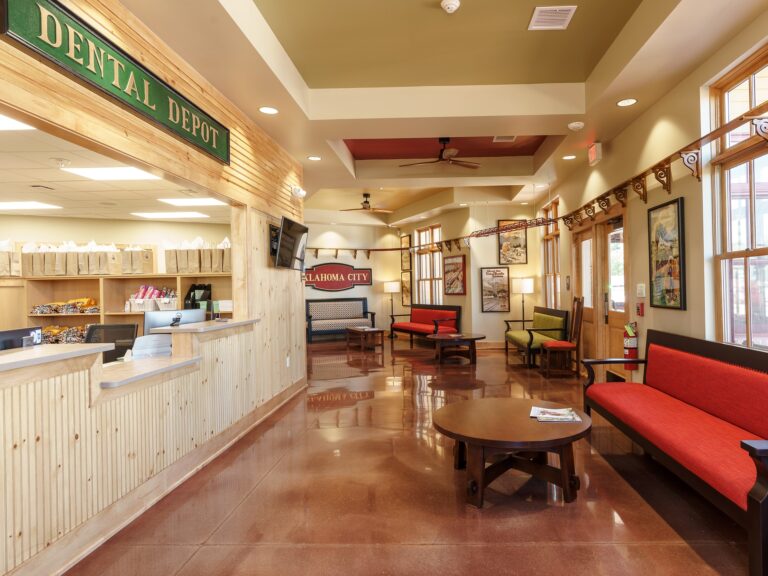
<point>507,139</point>
<point>551,17</point>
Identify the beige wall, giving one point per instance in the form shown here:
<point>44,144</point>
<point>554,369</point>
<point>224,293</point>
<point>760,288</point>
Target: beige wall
<point>81,230</point>
<point>680,117</point>
<point>385,266</point>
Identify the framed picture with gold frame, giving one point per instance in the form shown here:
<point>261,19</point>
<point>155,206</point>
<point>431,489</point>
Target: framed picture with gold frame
<point>513,245</point>
<point>454,275</point>
<point>405,284</point>
<point>405,253</point>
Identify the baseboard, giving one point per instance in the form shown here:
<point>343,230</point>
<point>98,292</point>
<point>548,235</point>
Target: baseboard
<point>63,554</point>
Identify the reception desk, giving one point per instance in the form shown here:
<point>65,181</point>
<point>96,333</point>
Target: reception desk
<point>86,447</point>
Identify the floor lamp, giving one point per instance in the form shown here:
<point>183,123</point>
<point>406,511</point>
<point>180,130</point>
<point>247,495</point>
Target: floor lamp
<point>391,288</point>
<point>522,286</point>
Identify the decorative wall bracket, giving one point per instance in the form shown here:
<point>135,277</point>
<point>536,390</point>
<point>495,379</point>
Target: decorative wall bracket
<point>692,161</point>
<point>639,188</point>
<point>354,254</point>
<point>448,245</point>
<point>367,254</point>
<point>621,195</point>
<point>458,244</point>
<point>761,127</point>
<point>605,203</point>
<point>317,251</point>
<point>590,211</point>
<point>568,221</point>
<point>663,174</point>
<point>578,218</point>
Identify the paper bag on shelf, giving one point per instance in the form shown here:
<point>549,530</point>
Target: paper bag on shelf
<point>5,263</point>
<point>182,261</point>
<point>60,263</point>
<point>226,262</point>
<point>217,259</point>
<point>49,263</point>
<point>206,260</point>
<point>72,268</point>
<point>83,263</point>
<point>171,266</point>
<point>136,262</point>
<point>93,262</point>
<point>115,263</point>
<point>126,262</point>
<point>15,264</point>
<point>147,262</point>
<point>26,263</point>
<point>38,264</point>
<point>193,261</point>
<point>103,263</point>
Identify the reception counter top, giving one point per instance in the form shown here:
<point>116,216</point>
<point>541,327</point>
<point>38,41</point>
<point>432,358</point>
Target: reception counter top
<point>202,327</point>
<point>116,374</point>
<point>46,354</point>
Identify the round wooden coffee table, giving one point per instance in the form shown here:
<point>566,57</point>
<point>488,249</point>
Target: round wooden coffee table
<point>488,427</point>
<point>462,345</point>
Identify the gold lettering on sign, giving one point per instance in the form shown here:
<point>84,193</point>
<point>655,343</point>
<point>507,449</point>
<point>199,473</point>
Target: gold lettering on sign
<point>95,56</point>
<point>74,44</point>
<point>146,96</point>
<point>130,87</point>
<point>46,17</point>
<point>117,66</point>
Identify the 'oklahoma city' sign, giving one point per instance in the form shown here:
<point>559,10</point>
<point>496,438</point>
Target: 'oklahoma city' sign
<point>53,31</point>
<point>333,277</point>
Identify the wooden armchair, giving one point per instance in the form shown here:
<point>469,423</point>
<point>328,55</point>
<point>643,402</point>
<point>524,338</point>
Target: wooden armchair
<point>548,324</point>
<point>565,347</point>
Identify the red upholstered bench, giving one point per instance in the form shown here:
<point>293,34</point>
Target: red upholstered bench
<point>702,411</point>
<point>426,319</point>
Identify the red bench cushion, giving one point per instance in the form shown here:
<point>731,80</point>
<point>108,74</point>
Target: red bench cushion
<point>735,394</point>
<point>425,316</point>
<point>558,345</point>
<point>423,328</point>
<point>704,444</point>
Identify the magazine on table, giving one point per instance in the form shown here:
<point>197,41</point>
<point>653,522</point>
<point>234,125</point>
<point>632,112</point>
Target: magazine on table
<point>554,414</point>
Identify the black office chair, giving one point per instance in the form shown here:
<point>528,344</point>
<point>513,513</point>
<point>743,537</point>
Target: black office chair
<point>121,335</point>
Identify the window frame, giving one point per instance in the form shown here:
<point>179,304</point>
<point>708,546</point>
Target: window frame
<point>551,255</point>
<point>428,265</point>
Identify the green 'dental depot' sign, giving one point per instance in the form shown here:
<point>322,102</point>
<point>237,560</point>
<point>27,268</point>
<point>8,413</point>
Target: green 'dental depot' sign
<point>57,34</point>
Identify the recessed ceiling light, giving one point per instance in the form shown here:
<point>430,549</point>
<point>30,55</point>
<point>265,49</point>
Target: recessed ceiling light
<point>268,110</point>
<point>541,186</point>
<point>185,202</point>
<point>463,204</point>
<point>314,158</point>
<point>11,124</point>
<point>115,174</point>
<point>333,223</point>
<point>27,206</point>
<point>626,102</point>
<point>523,203</point>
<point>569,157</point>
<point>169,215</point>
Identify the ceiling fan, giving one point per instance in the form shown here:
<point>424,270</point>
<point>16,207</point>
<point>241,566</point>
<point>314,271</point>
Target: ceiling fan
<point>366,205</point>
<point>446,155</point>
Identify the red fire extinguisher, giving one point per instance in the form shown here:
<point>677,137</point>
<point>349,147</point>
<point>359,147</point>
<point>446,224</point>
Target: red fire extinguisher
<point>630,345</point>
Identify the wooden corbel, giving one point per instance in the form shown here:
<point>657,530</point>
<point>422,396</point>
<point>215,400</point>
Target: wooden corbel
<point>621,195</point>
<point>692,161</point>
<point>457,244</point>
<point>568,221</point>
<point>367,254</point>
<point>354,254</point>
<point>605,203</point>
<point>639,188</point>
<point>448,245</point>
<point>663,174</point>
<point>761,127</point>
<point>317,251</point>
<point>577,217</point>
<point>589,209</point>
<point>336,254</point>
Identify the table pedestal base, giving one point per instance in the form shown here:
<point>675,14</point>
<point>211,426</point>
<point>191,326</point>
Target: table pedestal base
<point>473,457</point>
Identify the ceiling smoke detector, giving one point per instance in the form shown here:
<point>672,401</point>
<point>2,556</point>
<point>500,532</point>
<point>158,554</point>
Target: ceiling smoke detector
<point>576,126</point>
<point>450,6</point>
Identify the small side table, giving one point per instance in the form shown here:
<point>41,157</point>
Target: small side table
<point>454,345</point>
<point>366,337</point>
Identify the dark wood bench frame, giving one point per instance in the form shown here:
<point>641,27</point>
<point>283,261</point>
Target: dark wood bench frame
<point>436,321</point>
<point>342,331</point>
<point>530,353</point>
<point>755,518</point>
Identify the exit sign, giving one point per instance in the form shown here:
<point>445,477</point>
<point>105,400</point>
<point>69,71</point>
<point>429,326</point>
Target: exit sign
<point>595,153</point>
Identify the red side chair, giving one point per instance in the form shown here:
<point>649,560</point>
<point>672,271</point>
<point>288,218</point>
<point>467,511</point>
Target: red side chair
<point>565,347</point>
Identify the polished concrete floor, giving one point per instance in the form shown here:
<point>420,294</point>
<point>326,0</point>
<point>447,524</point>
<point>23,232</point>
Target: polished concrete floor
<point>351,478</point>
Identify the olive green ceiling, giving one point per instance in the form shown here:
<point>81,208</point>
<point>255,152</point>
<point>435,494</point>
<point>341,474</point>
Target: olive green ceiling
<point>374,43</point>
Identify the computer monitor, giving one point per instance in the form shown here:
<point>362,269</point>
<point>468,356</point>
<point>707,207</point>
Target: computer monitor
<point>10,339</point>
<point>163,318</point>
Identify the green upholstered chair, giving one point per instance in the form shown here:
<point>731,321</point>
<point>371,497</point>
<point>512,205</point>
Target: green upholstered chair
<point>547,324</point>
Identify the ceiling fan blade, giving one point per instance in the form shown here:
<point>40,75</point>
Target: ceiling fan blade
<point>420,163</point>
<point>381,211</point>
<point>465,164</point>
<point>351,209</point>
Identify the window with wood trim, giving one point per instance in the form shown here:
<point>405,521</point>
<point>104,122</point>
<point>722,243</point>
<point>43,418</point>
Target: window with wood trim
<point>429,266</point>
<point>551,259</point>
<point>742,174</point>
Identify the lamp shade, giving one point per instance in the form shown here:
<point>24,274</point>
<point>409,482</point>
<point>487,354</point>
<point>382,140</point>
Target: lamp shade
<point>522,285</point>
<point>391,287</point>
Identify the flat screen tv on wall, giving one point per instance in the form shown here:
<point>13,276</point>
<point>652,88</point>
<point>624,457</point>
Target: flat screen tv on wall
<point>291,244</point>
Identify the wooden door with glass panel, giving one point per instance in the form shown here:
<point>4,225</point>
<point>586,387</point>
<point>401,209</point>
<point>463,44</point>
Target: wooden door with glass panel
<point>584,286</point>
<point>615,315</point>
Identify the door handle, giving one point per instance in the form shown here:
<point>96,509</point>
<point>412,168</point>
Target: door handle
<point>605,306</point>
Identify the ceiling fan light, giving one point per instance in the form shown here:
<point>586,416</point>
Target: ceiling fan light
<point>450,6</point>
